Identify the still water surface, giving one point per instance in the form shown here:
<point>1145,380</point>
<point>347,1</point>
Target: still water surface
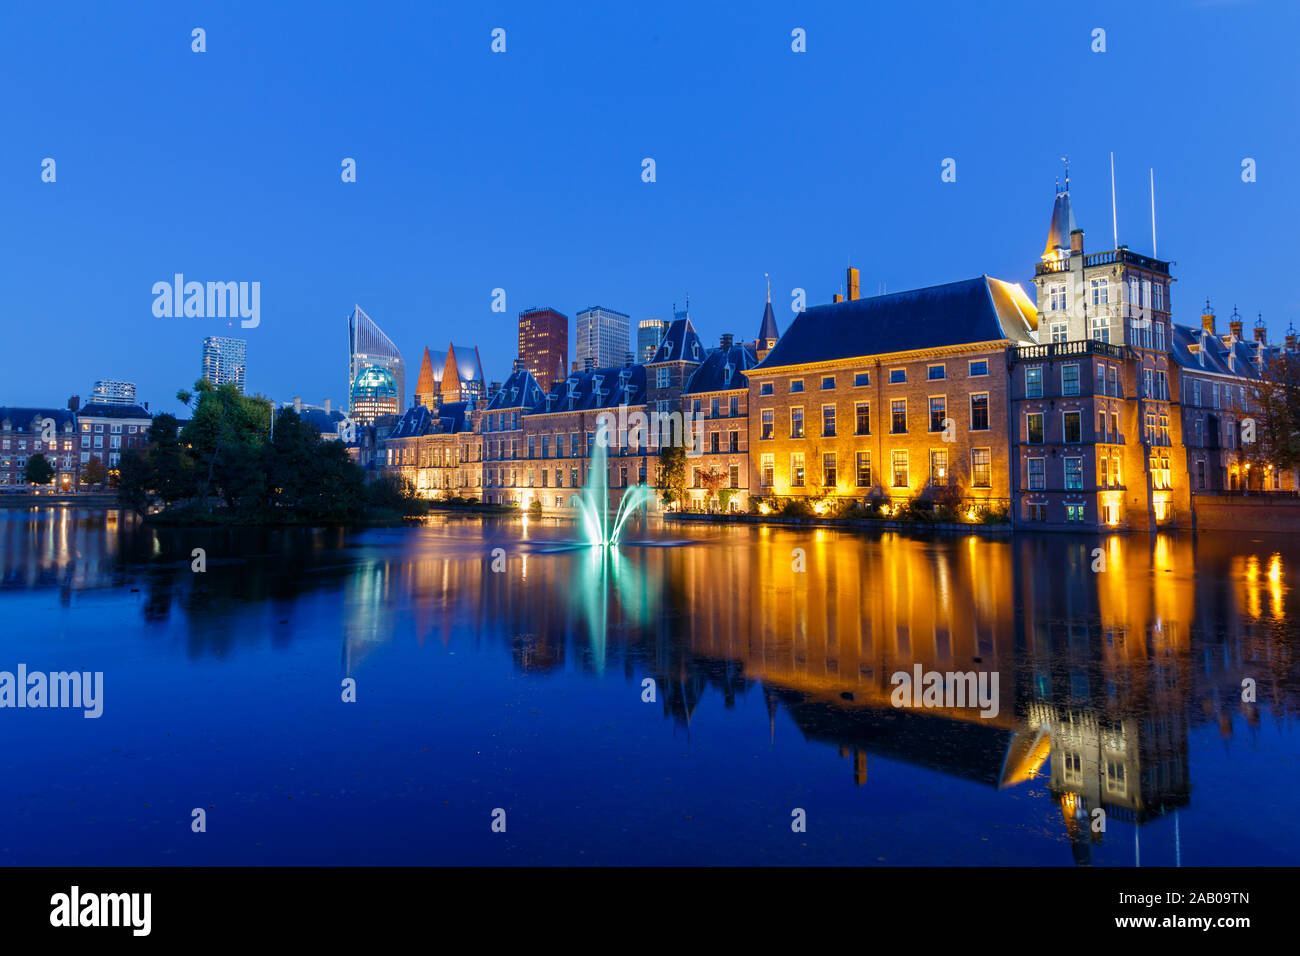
<point>523,688</point>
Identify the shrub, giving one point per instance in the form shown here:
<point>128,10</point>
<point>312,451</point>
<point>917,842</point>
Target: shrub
<point>796,508</point>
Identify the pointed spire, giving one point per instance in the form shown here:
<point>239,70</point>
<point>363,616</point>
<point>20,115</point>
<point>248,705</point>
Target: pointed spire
<point>450,376</point>
<point>425,387</point>
<point>769,286</point>
<point>1062,224</point>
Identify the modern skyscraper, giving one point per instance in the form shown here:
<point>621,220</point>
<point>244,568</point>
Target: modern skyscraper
<point>544,344</point>
<point>111,392</point>
<point>224,360</point>
<point>368,345</point>
<point>649,333</point>
<point>604,337</point>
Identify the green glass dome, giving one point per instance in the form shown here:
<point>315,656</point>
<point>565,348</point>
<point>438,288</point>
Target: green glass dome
<point>374,382</point>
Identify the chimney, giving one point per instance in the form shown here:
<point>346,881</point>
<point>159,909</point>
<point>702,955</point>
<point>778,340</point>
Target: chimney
<point>838,298</point>
<point>727,339</point>
<point>853,283</point>
<point>1076,242</point>
<point>1290,339</point>
<point>1261,333</point>
<point>1235,324</point>
<point>146,406</point>
<point>74,403</point>
<point>1207,318</point>
<point>297,404</point>
<point>327,406</point>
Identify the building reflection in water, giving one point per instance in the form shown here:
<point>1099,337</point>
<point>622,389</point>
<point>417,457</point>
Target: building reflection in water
<point>1103,673</point>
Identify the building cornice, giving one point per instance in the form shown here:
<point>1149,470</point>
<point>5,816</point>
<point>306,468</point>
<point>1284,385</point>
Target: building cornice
<point>882,358</point>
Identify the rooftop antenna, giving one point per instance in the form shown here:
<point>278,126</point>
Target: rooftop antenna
<point>1114,222</point>
<point>1153,213</point>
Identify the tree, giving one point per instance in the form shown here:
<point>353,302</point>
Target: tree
<point>225,437</point>
<point>94,472</point>
<point>133,481</point>
<point>38,470</point>
<point>170,466</point>
<point>672,475</point>
<point>1276,415</point>
<point>714,480</point>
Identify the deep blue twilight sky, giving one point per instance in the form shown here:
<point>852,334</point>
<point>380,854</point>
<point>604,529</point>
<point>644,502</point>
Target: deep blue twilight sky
<point>523,170</point>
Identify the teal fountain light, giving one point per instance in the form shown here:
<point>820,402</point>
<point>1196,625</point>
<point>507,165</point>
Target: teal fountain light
<point>594,501</point>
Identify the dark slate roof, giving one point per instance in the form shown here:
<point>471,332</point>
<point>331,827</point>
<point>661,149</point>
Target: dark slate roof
<point>767,330</point>
<point>21,417</point>
<point>450,418</point>
<point>618,385</point>
<point>320,419</point>
<point>105,410</point>
<point>520,390</point>
<point>453,417</point>
<point>983,309</point>
<point>1216,353</point>
<point>679,344</point>
<point>721,370</point>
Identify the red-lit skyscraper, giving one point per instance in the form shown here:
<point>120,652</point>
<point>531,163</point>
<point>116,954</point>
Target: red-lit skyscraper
<point>544,344</point>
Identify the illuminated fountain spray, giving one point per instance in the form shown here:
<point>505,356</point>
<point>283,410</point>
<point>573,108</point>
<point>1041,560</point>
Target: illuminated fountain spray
<point>594,502</point>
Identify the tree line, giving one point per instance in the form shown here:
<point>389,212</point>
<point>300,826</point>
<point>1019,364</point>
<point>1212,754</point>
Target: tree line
<point>227,458</point>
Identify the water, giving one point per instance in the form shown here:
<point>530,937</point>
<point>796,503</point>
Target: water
<point>522,690</point>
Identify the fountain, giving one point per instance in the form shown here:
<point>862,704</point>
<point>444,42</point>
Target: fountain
<point>594,501</point>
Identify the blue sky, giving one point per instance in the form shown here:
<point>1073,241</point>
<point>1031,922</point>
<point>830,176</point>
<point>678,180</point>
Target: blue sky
<point>522,170</point>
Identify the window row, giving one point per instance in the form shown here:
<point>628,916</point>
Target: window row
<point>899,472</point>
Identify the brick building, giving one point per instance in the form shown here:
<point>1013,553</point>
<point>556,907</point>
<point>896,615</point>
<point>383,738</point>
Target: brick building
<point>25,432</point>
<point>105,431</point>
<point>438,451</point>
<point>891,396</point>
<point>717,397</point>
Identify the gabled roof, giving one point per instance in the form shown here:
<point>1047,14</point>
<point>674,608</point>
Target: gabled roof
<point>520,390</point>
<point>722,370</point>
<point>596,389</point>
<point>679,344</point>
<point>27,419</point>
<point>1188,343</point>
<point>983,309</point>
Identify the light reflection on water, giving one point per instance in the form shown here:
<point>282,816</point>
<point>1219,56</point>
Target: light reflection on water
<point>1120,689</point>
